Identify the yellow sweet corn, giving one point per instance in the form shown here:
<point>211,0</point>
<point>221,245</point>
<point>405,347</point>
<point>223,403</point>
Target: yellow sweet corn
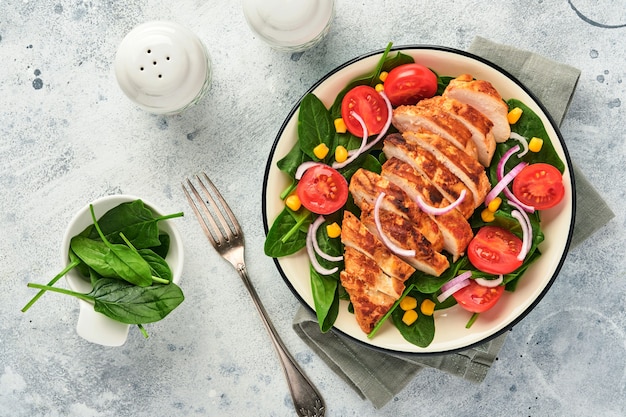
<point>321,151</point>
<point>383,76</point>
<point>408,303</point>
<point>428,307</point>
<point>340,126</point>
<point>487,215</point>
<point>535,144</point>
<point>494,204</point>
<point>293,202</point>
<point>409,317</point>
<point>379,88</point>
<point>341,154</point>
<point>333,230</point>
<point>514,115</point>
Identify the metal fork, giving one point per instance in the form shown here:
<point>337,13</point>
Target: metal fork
<point>226,236</point>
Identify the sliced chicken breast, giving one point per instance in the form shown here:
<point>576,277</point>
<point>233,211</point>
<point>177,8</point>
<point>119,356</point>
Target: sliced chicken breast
<point>448,184</point>
<point>455,229</point>
<point>482,95</point>
<point>476,122</point>
<point>366,186</point>
<point>433,119</point>
<point>466,168</point>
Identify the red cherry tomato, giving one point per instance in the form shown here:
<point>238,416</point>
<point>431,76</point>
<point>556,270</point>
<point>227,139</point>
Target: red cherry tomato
<point>322,189</point>
<point>476,298</point>
<point>369,105</point>
<point>494,250</point>
<point>539,185</point>
<point>409,83</point>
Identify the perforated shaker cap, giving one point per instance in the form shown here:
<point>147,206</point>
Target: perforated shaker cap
<point>163,67</point>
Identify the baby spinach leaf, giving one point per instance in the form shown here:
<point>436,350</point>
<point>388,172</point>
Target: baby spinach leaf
<point>422,332</point>
<point>158,265</point>
<point>314,126</point>
<point>93,253</point>
<point>126,262</point>
<point>136,221</point>
<point>326,299</point>
<point>290,162</point>
<point>286,236</point>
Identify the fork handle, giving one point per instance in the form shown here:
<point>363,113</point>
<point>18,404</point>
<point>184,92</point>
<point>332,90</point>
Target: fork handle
<point>306,398</point>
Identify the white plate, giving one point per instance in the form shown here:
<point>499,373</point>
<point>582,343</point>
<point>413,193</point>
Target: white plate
<point>450,334</point>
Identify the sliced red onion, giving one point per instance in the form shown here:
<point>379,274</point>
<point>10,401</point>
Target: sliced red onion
<point>444,295</point>
<point>428,209</point>
<point>313,231</point>
<point>502,162</point>
<point>502,184</point>
<point>523,141</point>
<point>392,247</point>
<point>513,199</point>
<point>304,166</point>
<point>489,283</point>
<point>459,278</point>
<point>310,250</point>
<point>526,233</point>
<point>354,153</point>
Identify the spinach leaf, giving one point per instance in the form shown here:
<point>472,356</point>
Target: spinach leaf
<point>326,299</point>
<point>530,125</point>
<point>92,253</point>
<point>290,162</point>
<point>136,221</point>
<point>126,262</point>
<point>315,126</point>
<point>127,303</point>
<point>287,234</point>
<point>158,265</point>
<point>422,332</point>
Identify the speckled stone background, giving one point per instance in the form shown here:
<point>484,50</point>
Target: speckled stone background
<point>68,135</point>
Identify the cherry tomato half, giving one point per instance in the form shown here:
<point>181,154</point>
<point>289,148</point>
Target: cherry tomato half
<point>494,250</point>
<point>539,185</point>
<point>476,298</point>
<point>409,83</point>
<point>322,189</point>
<point>369,105</point>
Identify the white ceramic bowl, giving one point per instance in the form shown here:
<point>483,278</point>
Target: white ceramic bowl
<point>557,223</point>
<point>93,326</point>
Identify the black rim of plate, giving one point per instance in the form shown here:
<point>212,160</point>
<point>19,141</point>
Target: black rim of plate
<point>568,161</point>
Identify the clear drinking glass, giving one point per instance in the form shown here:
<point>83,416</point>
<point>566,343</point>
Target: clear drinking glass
<point>289,25</point>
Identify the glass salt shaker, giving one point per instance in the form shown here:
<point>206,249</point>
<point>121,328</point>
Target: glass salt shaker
<point>163,67</point>
<point>289,25</point>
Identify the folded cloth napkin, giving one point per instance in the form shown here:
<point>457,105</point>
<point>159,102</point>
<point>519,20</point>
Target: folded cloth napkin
<point>379,376</point>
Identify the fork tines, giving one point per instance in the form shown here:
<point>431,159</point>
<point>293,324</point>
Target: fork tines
<point>209,215</point>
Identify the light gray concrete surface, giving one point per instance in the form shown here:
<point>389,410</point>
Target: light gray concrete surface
<point>68,135</point>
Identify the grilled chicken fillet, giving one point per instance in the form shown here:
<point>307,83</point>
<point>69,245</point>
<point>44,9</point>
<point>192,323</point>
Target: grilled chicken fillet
<point>455,229</point>
<point>466,168</point>
<point>476,122</point>
<point>482,95</point>
<point>448,184</point>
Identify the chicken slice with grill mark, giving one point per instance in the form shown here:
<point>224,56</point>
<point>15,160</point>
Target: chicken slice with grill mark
<point>366,186</point>
<point>405,235</point>
<point>455,229</point>
<point>355,235</point>
<point>466,168</point>
<point>483,96</point>
<point>477,123</point>
<point>435,120</point>
<point>448,184</point>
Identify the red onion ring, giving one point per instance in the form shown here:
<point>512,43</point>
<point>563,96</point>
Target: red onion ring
<point>355,153</point>
<point>313,231</point>
<point>304,166</point>
<point>502,184</point>
<point>502,162</point>
<point>490,283</point>
<point>428,209</point>
<point>523,141</point>
<point>526,233</point>
<point>314,262</point>
<point>465,275</point>
<point>444,295</point>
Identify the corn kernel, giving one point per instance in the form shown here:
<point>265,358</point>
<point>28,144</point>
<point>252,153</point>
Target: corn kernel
<point>383,76</point>
<point>379,88</point>
<point>494,204</point>
<point>341,154</point>
<point>321,151</point>
<point>333,230</point>
<point>340,126</point>
<point>409,317</point>
<point>487,215</point>
<point>293,202</point>
<point>514,115</point>
<point>408,303</point>
<point>428,307</point>
<point>535,144</point>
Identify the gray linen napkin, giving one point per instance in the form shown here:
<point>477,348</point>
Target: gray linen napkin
<point>379,376</point>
